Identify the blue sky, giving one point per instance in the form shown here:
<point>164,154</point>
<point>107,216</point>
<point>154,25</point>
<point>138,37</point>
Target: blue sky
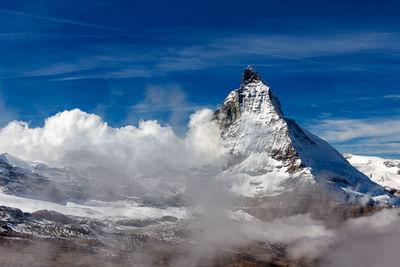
<point>334,66</point>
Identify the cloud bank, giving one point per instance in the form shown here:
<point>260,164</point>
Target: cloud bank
<point>76,138</point>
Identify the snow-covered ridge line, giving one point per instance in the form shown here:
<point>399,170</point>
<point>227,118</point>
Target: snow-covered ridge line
<point>93,209</point>
<point>385,172</point>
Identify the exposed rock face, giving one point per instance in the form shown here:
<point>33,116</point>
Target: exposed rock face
<point>250,76</point>
<point>393,191</point>
<point>12,215</point>
<point>52,216</point>
<point>229,112</point>
<point>389,164</point>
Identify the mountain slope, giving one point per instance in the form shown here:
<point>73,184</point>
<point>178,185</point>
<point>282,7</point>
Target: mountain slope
<point>35,180</point>
<point>385,172</point>
<point>24,179</point>
<point>270,154</point>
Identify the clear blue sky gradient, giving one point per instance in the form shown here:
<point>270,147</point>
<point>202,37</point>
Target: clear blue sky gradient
<point>331,63</point>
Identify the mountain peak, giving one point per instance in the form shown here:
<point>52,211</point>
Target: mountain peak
<point>252,97</point>
<point>250,76</point>
<point>276,154</point>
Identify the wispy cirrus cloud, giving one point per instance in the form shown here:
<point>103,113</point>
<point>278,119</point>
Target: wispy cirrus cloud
<point>13,36</point>
<point>364,136</point>
<point>281,48</point>
<point>392,96</point>
<point>309,45</point>
<point>312,53</point>
<point>59,20</point>
<point>25,36</point>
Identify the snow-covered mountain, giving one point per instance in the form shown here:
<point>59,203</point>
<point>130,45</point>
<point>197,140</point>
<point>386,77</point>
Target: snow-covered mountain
<point>385,172</point>
<point>34,180</point>
<point>271,168</point>
<point>270,154</point>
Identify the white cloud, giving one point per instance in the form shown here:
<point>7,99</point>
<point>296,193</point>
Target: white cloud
<point>363,136</point>
<point>369,241</point>
<point>347,129</point>
<point>392,96</point>
<point>84,140</point>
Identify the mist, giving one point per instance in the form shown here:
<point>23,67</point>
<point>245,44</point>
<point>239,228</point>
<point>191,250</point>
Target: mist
<point>219,224</point>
